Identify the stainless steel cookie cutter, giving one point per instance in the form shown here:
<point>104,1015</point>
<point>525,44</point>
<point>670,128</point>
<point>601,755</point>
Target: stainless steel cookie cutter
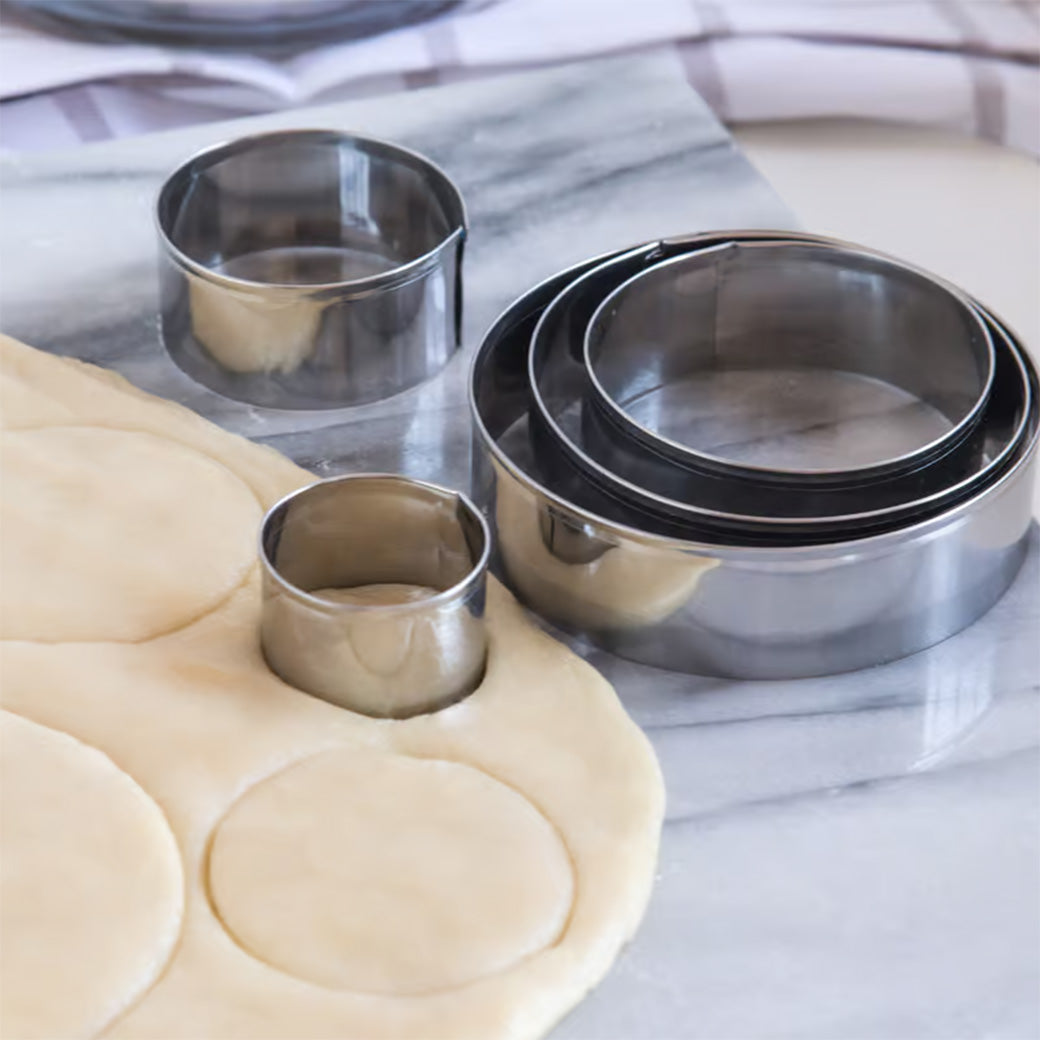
<point>785,341</point>
<point>310,268</point>
<point>373,593</point>
<point>574,442</point>
<point>600,570</point>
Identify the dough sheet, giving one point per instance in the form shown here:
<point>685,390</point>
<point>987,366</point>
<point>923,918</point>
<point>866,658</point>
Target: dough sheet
<point>208,852</point>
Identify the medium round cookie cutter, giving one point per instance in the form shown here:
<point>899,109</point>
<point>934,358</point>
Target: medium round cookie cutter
<point>373,593</point>
<point>310,269</point>
<point>789,336</point>
<point>582,559</point>
<point>574,443</point>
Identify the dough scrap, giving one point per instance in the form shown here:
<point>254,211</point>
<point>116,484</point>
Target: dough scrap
<point>91,890</point>
<point>388,874</point>
<point>100,541</point>
<point>200,723</point>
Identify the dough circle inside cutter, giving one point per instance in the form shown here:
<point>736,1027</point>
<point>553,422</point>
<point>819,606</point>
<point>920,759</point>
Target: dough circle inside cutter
<point>91,887</point>
<point>388,874</point>
<point>116,535</point>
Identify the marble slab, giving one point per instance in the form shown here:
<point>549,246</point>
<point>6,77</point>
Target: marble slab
<point>843,858</point>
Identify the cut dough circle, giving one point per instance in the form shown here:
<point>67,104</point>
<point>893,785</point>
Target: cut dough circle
<point>387,874</point>
<point>91,887</point>
<point>116,535</point>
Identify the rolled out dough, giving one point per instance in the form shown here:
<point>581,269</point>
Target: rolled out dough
<point>99,541</point>
<point>420,875</point>
<point>91,891</point>
<point>468,874</point>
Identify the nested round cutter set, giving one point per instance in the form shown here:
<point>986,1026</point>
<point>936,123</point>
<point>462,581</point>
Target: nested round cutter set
<point>755,454</point>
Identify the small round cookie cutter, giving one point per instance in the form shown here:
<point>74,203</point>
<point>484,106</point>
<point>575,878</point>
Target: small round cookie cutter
<point>373,593</point>
<point>310,269</point>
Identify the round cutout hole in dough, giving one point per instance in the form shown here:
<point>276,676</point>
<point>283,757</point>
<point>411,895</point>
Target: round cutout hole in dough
<point>91,888</point>
<point>388,874</point>
<point>116,535</point>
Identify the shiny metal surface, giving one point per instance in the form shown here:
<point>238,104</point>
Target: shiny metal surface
<point>579,558</point>
<point>310,268</point>
<point>576,444</point>
<point>745,359</point>
<point>373,593</point>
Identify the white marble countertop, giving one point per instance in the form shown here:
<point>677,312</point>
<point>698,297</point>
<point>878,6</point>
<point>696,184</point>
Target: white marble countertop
<point>843,858</point>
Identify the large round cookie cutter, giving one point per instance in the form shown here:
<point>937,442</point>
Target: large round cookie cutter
<point>373,593</point>
<point>310,268</point>
<point>597,568</point>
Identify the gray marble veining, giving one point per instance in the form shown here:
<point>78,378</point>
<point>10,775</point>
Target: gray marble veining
<point>844,858</point>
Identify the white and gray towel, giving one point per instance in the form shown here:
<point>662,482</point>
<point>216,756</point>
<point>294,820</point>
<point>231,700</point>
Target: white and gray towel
<point>969,65</point>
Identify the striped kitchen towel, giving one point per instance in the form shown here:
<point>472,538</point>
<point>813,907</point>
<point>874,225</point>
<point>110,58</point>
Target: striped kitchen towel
<point>970,65</point>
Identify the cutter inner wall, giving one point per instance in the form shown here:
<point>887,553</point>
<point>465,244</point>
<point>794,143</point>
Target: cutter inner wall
<point>785,357</point>
<point>371,534</point>
<point>307,213</point>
